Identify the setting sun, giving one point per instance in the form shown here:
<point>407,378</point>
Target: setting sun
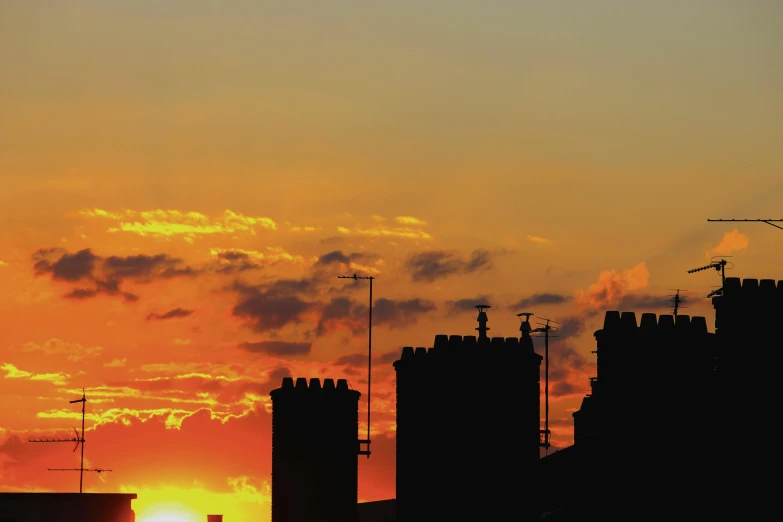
<point>168,512</point>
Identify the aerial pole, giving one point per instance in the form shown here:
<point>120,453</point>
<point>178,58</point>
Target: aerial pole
<point>767,221</point>
<point>677,302</point>
<point>79,440</point>
<point>83,400</point>
<point>369,363</point>
<point>545,329</point>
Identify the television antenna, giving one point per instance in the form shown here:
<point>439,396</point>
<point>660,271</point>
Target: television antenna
<point>369,364</point>
<point>718,266</point>
<point>767,221</point>
<point>78,440</point>
<point>544,328</point>
<point>677,301</point>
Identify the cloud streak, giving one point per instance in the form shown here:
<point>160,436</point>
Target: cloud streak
<point>540,299</point>
<point>12,372</point>
<point>277,348</point>
<point>72,351</point>
<point>438,264</point>
<point>190,225</point>
<point>176,313</point>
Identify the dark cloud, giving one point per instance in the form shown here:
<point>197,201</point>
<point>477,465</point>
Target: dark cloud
<point>326,269</point>
<point>466,305</point>
<point>438,264</point>
<point>342,313</point>
<point>396,314</point>
<point>171,314</point>
<point>353,359</point>
<point>540,299</point>
<point>278,348</point>
<point>290,287</point>
<point>388,357</point>
<point>81,293</point>
<point>67,267</point>
<point>271,306</point>
<point>276,377</point>
<point>569,326</point>
<point>333,240</point>
<point>478,259</point>
<point>563,359</point>
<point>563,388</point>
<point>274,305</point>
<point>233,261</point>
<point>140,268</point>
<point>87,293</point>
<point>336,256</point>
<point>267,311</point>
<point>106,274</point>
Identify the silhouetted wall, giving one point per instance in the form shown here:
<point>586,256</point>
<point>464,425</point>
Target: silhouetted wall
<point>315,443</point>
<point>649,406</point>
<point>67,507</point>
<point>748,329</point>
<point>468,420</point>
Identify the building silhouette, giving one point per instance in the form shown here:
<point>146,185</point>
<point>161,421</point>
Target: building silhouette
<point>468,422</point>
<point>670,414</point>
<point>315,444</point>
<point>665,433</point>
<point>66,507</point>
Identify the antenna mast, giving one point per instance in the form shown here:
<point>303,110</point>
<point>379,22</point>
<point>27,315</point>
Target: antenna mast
<point>545,328</point>
<point>677,302</point>
<point>369,364</point>
<point>767,221</point>
<point>79,440</point>
<point>719,266</point>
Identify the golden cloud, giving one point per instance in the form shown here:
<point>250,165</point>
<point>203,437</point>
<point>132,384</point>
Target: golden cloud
<point>297,228</point>
<point>174,417</point>
<point>612,286</point>
<point>73,351</point>
<point>386,231</point>
<point>537,239</point>
<point>12,372</point>
<point>116,363</point>
<point>189,225</point>
<point>731,242</point>
<point>410,220</point>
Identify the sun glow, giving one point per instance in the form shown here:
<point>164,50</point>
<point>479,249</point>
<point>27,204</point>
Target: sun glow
<point>243,499</point>
<point>168,512</point>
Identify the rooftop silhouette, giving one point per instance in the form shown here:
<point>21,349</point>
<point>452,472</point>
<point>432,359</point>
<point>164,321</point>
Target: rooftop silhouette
<point>658,437</point>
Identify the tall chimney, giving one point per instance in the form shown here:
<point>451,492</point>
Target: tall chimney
<point>482,321</point>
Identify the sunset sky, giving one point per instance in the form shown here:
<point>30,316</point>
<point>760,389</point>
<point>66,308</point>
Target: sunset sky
<point>181,183</point>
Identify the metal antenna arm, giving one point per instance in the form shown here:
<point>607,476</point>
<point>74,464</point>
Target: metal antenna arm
<point>705,267</point>
<point>767,221</point>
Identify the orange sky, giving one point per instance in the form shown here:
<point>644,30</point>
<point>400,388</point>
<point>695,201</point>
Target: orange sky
<point>181,185</point>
